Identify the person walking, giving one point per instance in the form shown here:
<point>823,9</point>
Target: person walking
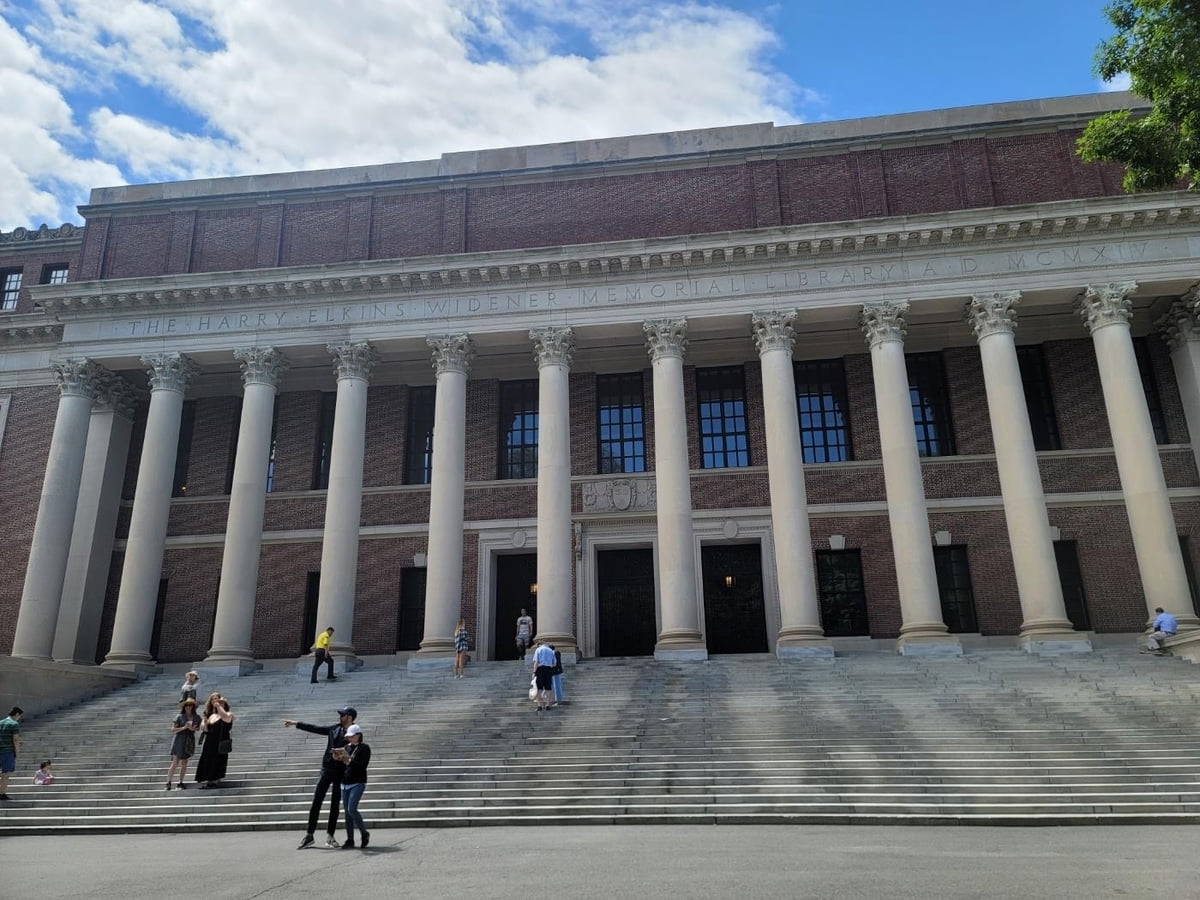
<point>185,726</point>
<point>10,747</point>
<point>217,728</point>
<point>524,633</point>
<point>323,656</point>
<point>556,678</point>
<point>332,771</point>
<point>461,640</point>
<point>543,674</point>
<point>357,756</point>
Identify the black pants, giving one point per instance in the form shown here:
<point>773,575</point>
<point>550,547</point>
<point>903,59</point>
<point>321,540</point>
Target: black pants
<point>329,779</point>
<point>323,656</point>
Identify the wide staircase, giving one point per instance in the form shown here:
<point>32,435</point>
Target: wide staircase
<point>993,737</point>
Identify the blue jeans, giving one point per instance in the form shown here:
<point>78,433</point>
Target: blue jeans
<point>558,688</point>
<point>351,794</point>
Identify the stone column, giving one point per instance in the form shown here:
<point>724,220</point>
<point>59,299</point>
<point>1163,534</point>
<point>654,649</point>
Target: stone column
<point>553,350</point>
<point>38,614</point>
<point>679,639</point>
<point>343,502</point>
<point>78,631</point>
<point>923,630</point>
<point>1181,330</point>
<point>230,654</point>
<point>1106,309</point>
<point>170,374</point>
<point>1045,625</point>
<point>800,631</point>
<point>452,358</point>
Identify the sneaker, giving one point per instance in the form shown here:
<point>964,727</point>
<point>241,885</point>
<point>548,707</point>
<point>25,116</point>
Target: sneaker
<point>349,845</point>
<point>314,681</point>
<point>182,786</point>
<point>331,843</point>
<point>331,678</point>
<point>306,841</point>
<point>366,839</point>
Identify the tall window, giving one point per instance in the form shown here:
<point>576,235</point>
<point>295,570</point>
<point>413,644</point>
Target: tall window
<point>55,273</point>
<point>954,586</point>
<point>1035,381</point>
<point>324,448</point>
<point>183,451</point>
<point>1066,557</point>
<point>821,404</point>
<point>1150,386</point>
<point>620,418</point>
<point>271,455</point>
<point>10,288</point>
<point>843,597</point>
<point>518,429</point>
<point>930,404</point>
<point>724,442</point>
<point>418,451</point>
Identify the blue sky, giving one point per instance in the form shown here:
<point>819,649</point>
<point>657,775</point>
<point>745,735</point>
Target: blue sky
<point>100,92</point>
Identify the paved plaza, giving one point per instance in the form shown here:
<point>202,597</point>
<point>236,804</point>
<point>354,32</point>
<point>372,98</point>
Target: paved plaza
<point>651,861</point>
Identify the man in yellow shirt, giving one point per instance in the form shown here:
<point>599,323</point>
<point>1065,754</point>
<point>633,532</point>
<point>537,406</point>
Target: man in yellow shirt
<point>323,655</point>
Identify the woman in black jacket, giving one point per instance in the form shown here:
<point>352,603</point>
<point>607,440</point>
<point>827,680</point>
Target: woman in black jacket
<point>357,756</point>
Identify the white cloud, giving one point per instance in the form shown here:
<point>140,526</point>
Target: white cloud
<point>1120,82</point>
<point>270,86</point>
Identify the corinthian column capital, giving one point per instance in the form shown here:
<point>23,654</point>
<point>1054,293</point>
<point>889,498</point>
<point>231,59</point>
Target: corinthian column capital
<point>170,371</point>
<point>261,365</point>
<point>116,395</point>
<point>1181,323</point>
<point>77,377</point>
<point>883,321</point>
<point>666,338</point>
<point>993,313</point>
<point>353,359</point>
<point>452,352</point>
<point>553,346</point>
<point>1107,304</point>
<point>773,330</point>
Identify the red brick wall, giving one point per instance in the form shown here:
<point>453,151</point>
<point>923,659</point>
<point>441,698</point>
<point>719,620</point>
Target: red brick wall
<point>31,257</point>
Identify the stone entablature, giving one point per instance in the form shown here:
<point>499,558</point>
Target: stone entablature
<point>43,234</point>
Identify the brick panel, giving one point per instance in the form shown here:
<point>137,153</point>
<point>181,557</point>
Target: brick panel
<point>407,225</point>
<point>974,173</point>
<point>226,240</point>
<point>860,398</point>
<point>764,185</point>
<point>296,423</point>
<point>91,254</point>
<point>1078,401</point>
<point>817,189</point>
<point>483,437</point>
<point>387,435</point>
<point>584,424</point>
<point>314,233</point>
<point>1030,168</point>
<point>137,246</point>
<point>968,400</point>
<point>921,180</point>
<point>179,254</point>
<point>870,178</point>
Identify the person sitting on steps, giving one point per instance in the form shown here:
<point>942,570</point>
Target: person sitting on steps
<point>1165,625</point>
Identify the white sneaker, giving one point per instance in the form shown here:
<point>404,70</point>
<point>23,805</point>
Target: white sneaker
<point>331,843</point>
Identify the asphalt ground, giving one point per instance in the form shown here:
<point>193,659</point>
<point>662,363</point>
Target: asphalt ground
<point>617,861</point>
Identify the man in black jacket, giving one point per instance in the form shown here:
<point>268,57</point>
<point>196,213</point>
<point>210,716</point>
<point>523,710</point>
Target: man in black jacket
<point>331,773</point>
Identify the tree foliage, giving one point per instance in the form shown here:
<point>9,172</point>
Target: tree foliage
<point>1158,44</point>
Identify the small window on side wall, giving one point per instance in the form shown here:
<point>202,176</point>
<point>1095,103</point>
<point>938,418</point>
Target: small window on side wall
<point>10,289</point>
<point>55,273</point>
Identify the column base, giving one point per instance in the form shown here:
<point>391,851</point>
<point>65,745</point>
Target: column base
<point>799,648</point>
<point>1188,623</point>
<point>231,667</point>
<point>945,645</point>
<point>141,663</point>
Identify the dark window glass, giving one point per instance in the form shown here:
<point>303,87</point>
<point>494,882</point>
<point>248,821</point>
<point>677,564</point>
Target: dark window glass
<point>55,273</point>
<point>324,448</point>
<point>822,409</point>
<point>1066,556</point>
<point>930,404</point>
<point>843,597</point>
<point>418,452</point>
<point>183,451</point>
<point>410,621</point>
<point>1150,386</point>
<point>724,442</point>
<point>620,417</point>
<point>1189,569</point>
<point>518,429</point>
<point>954,587</point>
<point>160,609</point>
<point>1039,400</point>
<point>271,456</point>
<point>308,628</point>
<point>10,288</point>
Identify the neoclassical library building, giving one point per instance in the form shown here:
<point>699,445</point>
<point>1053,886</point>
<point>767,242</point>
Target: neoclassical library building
<point>919,383</point>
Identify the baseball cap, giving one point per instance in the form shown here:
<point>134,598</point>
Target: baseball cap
<point>348,711</point>
<point>353,729</point>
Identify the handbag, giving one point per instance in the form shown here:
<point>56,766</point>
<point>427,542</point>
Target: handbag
<point>225,747</point>
<point>533,688</point>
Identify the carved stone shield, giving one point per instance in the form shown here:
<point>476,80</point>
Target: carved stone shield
<point>622,494</point>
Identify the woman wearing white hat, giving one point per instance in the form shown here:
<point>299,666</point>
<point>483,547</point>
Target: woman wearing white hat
<point>357,756</point>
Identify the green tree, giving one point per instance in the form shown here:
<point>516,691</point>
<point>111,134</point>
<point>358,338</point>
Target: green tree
<point>1158,44</point>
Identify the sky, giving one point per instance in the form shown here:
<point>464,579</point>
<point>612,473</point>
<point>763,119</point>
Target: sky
<point>96,93</point>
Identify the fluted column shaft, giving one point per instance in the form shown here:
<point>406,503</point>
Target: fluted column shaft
<point>343,501</point>
<point>170,374</point>
<point>553,350</point>
<point>262,368</point>
<point>1106,309</point>
<point>908,518</point>
<point>1044,614</point>
<point>47,567</point>
<point>452,357</point>
<point>800,631</point>
<point>679,636</point>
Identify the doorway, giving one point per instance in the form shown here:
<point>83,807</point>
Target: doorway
<point>625,615</point>
<point>735,616</point>
<point>1066,555</point>
<point>516,589</point>
<point>410,622</point>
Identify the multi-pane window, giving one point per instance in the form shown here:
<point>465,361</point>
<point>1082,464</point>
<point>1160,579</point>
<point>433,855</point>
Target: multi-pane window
<point>930,404</point>
<point>724,441</point>
<point>418,450</point>
<point>518,429</point>
<point>620,420</point>
<point>954,587</point>
<point>324,447</point>
<point>55,273</point>
<point>10,288</point>
<point>843,598</point>
<point>1035,381</point>
<point>1150,387</point>
<point>821,405</point>
<point>183,451</point>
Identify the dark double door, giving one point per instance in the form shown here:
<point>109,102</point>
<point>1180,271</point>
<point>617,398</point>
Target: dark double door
<point>516,589</point>
<point>625,616</point>
<point>735,617</point>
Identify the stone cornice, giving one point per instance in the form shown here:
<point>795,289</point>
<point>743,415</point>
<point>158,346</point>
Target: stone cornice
<point>960,231</point>
<point>22,238</point>
<point>29,329</point>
